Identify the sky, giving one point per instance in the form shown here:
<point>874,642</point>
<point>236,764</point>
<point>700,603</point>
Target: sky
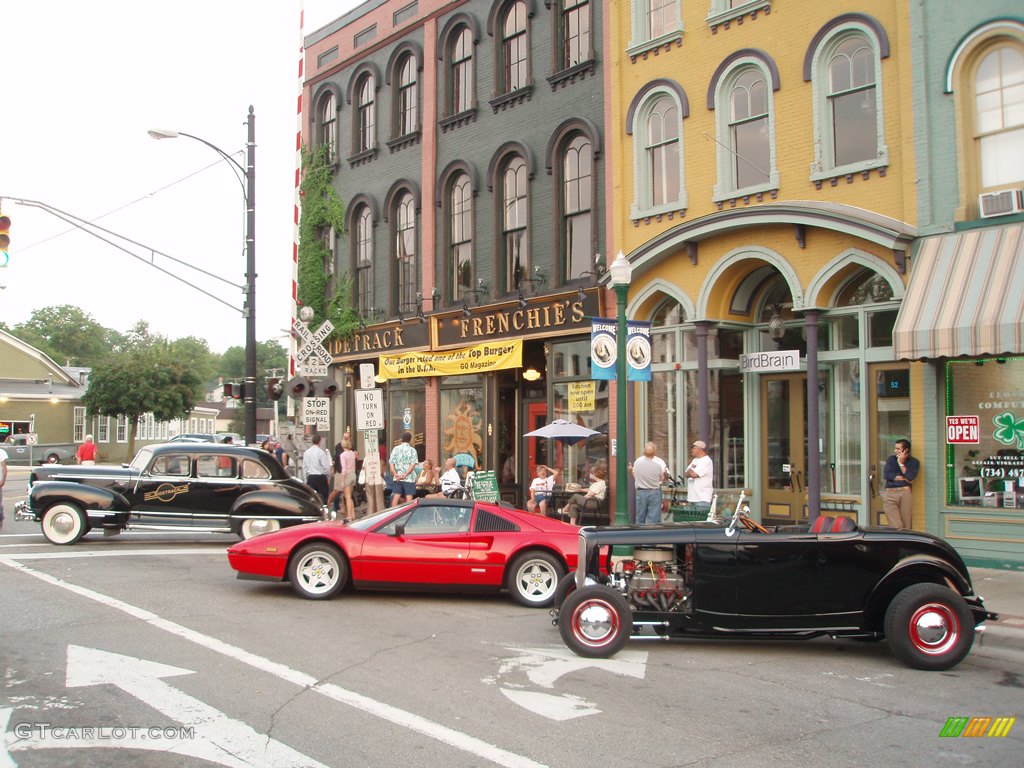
<point>81,83</point>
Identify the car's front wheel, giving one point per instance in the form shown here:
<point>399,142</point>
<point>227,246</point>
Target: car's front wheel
<point>256,526</point>
<point>595,621</point>
<point>53,458</point>
<point>929,626</point>
<point>318,571</point>
<point>64,523</point>
<point>533,578</point>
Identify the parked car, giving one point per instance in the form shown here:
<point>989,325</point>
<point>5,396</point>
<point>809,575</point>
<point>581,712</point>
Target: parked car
<point>235,437</point>
<point>21,452</point>
<point>716,579</point>
<point>429,544</point>
<point>180,485</point>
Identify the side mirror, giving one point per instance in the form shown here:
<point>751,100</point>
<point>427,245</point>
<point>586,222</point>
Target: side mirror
<point>400,529</point>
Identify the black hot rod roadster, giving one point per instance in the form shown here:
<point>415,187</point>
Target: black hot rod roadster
<point>739,579</point>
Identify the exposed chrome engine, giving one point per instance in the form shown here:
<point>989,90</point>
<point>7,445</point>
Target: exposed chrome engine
<point>653,579</point>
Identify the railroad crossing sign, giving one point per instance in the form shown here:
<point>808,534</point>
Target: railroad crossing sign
<point>313,355</point>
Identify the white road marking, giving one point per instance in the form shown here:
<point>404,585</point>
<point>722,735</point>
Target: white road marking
<point>365,704</point>
<point>544,666</point>
<point>66,555</point>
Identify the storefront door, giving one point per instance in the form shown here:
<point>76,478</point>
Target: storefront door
<point>888,421</point>
<point>784,447</point>
<point>536,447</point>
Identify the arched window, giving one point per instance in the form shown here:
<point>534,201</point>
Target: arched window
<point>748,129</point>
<point>515,48</point>
<point>999,116</point>
<point>461,87</point>
<point>366,114</point>
<point>515,222</point>
<point>405,250</point>
<point>657,130</point>
<point>408,97</point>
<point>743,103</point>
<point>460,228</point>
<point>329,126</point>
<point>845,68</point>
<point>364,260</point>
<point>576,28</point>
<point>578,206</point>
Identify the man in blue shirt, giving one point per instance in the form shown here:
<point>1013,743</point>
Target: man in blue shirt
<point>900,471</point>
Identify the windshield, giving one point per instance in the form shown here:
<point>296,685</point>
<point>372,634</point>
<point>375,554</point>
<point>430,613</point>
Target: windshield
<point>367,523</point>
<point>141,459</point>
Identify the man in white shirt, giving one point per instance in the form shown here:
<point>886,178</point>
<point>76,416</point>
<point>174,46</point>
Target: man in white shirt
<point>700,477</point>
<point>649,472</point>
<point>317,466</point>
<point>451,479</point>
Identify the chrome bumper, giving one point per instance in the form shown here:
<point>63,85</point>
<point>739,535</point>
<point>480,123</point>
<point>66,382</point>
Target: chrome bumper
<point>22,512</point>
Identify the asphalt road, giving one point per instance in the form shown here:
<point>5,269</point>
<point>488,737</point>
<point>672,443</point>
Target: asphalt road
<point>144,650</point>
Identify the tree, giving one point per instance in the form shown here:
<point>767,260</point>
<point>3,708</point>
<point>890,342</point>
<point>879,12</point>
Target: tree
<point>203,360</point>
<point>153,380</point>
<point>68,335</point>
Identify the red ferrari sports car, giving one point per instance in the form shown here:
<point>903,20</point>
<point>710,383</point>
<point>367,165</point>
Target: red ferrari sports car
<point>432,543</point>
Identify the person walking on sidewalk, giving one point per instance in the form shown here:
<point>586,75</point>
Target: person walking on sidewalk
<point>700,484</point>
<point>897,500</point>
<point>317,466</point>
<point>649,472</point>
<point>86,454</point>
<point>403,461</point>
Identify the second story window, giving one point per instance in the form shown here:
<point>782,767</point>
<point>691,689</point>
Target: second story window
<point>577,206</point>
<point>999,116</point>
<point>748,130</point>
<point>515,52</point>
<point>461,235</point>
<point>662,153</point>
<point>515,222</point>
<point>364,260</point>
<point>405,250</point>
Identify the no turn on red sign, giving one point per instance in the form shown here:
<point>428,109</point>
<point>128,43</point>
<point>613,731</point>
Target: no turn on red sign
<point>963,429</point>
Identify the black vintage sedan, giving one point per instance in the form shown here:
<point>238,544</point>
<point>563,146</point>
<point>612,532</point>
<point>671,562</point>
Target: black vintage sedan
<point>739,579</point>
<point>201,487</point>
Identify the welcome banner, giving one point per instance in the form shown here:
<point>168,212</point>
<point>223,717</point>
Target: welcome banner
<point>480,358</point>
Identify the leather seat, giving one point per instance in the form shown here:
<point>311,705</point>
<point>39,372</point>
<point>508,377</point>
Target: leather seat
<point>823,524</point>
<point>842,525</point>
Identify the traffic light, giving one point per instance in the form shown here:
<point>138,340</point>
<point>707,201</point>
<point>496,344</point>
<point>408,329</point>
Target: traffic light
<point>300,387</point>
<point>5,239</point>
<point>233,390</point>
<point>330,390</point>
<point>274,389</point>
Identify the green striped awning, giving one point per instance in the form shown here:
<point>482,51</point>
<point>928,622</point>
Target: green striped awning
<point>966,296</point>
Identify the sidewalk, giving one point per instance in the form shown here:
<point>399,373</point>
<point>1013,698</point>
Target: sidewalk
<point>1003,592</point>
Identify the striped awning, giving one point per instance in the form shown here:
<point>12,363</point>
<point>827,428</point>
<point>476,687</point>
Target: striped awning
<point>966,296</point>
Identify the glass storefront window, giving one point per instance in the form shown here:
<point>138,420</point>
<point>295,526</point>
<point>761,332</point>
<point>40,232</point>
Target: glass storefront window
<point>407,411</point>
<point>843,332</point>
<point>571,359</point>
<point>578,461</point>
<point>461,409</point>
<point>988,396</point>
<point>880,325</point>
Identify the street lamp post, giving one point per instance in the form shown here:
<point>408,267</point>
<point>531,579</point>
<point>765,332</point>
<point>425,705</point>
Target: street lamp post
<point>247,177</point>
<point>621,272</point>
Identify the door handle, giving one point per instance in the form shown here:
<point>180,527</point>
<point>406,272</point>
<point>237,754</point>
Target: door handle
<point>871,484</point>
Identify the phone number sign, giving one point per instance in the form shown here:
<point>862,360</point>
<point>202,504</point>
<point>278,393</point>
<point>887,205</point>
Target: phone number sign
<point>963,430</point>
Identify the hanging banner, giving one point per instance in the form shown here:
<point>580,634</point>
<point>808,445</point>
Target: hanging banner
<point>582,395</point>
<point>604,349</point>
<point>638,351</point>
<point>479,358</point>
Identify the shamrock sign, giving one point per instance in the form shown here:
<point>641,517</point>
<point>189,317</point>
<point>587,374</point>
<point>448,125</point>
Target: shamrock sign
<point>1009,429</point>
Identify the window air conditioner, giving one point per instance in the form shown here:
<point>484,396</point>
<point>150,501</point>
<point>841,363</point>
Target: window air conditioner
<point>1001,203</point>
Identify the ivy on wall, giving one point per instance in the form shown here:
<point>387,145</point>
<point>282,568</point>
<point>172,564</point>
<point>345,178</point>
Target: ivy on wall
<point>322,210</point>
